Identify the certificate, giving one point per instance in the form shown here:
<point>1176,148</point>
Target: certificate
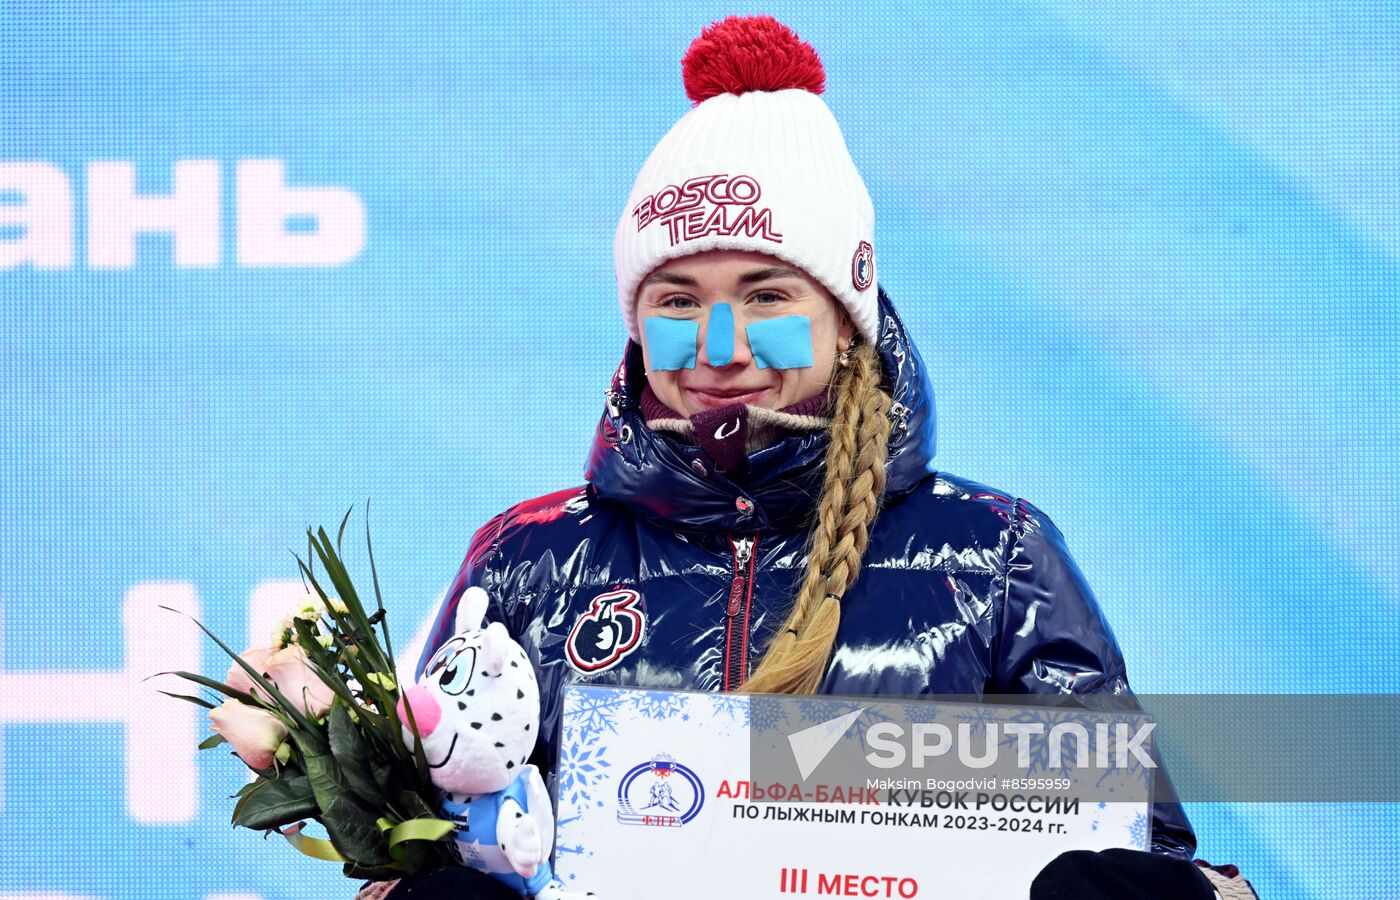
<point>697,795</point>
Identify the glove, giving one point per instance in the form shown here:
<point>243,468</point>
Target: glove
<point>452,883</point>
<point>1228,882</point>
<point>1120,874</point>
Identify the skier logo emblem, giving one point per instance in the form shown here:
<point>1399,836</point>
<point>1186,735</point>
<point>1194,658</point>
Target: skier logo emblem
<point>660,793</point>
<point>603,636</point>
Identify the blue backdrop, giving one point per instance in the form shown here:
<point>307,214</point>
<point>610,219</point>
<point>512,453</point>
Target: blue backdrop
<point>1149,250</point>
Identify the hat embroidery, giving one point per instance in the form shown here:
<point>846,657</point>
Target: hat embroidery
<point>708,204</point>
<point>863,266</point>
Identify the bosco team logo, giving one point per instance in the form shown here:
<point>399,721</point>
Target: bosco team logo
<point>708,204</point>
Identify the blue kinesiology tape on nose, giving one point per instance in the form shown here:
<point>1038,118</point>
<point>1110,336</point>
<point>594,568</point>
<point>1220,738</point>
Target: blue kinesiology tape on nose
<point>782,343</point>
<point>719,337</point>
<point>671,343</point>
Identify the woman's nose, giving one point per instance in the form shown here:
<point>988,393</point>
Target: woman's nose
<point>721,344</point>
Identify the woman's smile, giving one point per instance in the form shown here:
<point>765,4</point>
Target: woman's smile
<point>716,397</point>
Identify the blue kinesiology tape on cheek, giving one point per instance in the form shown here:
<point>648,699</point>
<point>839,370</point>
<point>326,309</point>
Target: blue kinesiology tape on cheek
<point>782,343</point>
<point>719,336</point>
<point>671,343</point>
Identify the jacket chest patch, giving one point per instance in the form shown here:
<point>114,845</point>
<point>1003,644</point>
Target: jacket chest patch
<point>604,635</point>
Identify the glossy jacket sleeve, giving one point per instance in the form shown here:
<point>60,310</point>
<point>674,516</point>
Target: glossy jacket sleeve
<point>1053,638</point>
<point>473,573</point>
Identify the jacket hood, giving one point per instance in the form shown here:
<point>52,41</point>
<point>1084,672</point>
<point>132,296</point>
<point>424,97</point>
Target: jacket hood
<point>674,484</point>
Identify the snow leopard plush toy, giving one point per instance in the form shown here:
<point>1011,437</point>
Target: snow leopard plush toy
<point>477,708</point>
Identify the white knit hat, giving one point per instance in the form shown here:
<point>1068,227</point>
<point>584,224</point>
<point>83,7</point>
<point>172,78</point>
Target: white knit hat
<point>759,164</point>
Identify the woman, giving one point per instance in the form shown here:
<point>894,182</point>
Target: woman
<point>761,511</point>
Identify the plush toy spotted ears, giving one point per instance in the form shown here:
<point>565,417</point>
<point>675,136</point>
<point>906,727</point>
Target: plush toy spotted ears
<point>477,708</point>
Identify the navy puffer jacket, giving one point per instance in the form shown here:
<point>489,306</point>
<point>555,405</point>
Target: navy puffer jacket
<point>661,572</point>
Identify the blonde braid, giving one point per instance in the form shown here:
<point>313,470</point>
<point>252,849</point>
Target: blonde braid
<point>797,656</point>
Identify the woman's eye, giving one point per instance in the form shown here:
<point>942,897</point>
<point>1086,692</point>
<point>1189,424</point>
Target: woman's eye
<point>767,298</point>
<point>680,302</point>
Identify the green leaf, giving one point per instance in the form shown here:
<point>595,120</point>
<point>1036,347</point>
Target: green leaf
<point>384,699</point>
<point>378,597</point>
<point>233,693</point>
<point>212,740</point>
<point>327,783</point>
<point>336,572</point>
<point>353,755</point>
<point>277,802</point>
<point>419,829</point>
<point>416,806</point>
<point>354,829</point>
<point>423,855</point>
<point>243,793</point>
<point>308,575</point>
<point>393,775</point>
<point>304,586</point>
<point>341,533</point>
<point>198,701</point>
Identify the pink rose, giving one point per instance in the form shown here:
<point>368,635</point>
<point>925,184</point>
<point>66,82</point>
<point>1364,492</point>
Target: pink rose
<point>239,679</point>
<point>253,733</point>
<point>289,670</point>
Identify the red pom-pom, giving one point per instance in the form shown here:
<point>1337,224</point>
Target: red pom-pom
<point>750,53</point>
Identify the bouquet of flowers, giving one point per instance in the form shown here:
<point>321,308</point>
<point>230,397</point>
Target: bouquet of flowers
<point>315,715</point>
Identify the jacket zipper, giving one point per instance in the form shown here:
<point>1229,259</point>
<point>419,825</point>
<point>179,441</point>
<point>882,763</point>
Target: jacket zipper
<point>736,631</point>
